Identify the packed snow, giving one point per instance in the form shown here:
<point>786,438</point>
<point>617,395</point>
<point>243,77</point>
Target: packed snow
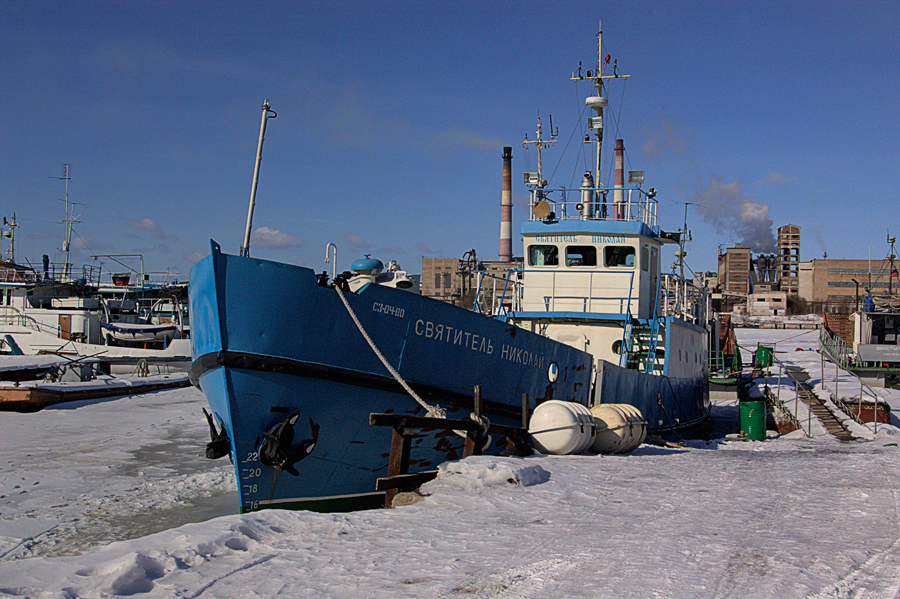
<point>114,498</point>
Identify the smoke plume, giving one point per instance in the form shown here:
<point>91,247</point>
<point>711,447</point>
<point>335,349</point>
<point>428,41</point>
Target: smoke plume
<point>725,206</point>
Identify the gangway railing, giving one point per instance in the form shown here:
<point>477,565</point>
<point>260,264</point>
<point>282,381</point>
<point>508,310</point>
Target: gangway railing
<point>837,350</point>
<point>864,389</point>
<point>792,416</point>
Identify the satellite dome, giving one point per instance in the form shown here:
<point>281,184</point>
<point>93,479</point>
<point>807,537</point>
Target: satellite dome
<point>367,266</point>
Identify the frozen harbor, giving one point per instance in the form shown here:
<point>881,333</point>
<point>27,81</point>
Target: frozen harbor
<point>115,498</point>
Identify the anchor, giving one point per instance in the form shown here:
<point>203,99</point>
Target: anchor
<point>220,445</point>
<point>276,449</point>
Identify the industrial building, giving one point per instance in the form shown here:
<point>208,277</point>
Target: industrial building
<point>734,271</point>
<point>788,254</point>
<point>840,285</point>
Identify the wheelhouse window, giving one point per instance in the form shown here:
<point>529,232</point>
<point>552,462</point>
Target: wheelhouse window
<point>581,255</point>
<point>619,256</point>
<point>543,255</point>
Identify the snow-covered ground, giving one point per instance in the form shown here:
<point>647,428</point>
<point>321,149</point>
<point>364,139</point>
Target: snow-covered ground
<point>114,498</point>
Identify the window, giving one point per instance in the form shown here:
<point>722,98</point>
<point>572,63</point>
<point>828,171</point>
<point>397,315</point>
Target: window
<point>437,280</point>
<point>543,255</point>
<point>645,258</point>
<point>581,255</point>
<point>619,256</point>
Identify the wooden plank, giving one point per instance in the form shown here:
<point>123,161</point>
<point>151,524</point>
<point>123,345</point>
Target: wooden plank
<point>35,398</point>
<point>403,421</point>
<point>405,480</point>
<point>474,438</point>
<point>398,463</point>
<point>473,443</point>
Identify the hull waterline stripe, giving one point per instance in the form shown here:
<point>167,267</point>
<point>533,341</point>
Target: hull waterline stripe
<point>247,361</point>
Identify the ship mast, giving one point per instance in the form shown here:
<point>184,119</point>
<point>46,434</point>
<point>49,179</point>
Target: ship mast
<point>537,179</point>
<point>267,113</point>
<point>598,102</point>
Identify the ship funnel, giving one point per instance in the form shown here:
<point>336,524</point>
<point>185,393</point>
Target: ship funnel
<point>506,208</point>
<point>587,195</point>
<point>619,193</point>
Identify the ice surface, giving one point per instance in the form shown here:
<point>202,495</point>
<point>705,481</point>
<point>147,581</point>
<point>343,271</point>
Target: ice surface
<point>787,517</point>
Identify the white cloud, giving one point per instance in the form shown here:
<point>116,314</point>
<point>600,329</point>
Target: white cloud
<point>774,178</point>
<point>357,242</point>
<point>270,238</point>
<point>148,226</point>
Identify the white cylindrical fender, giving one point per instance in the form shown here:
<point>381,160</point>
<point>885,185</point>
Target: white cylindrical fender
<point>590,425</point>
<point>558,428</point>
<point>637,421</point>
<point>620,428</point>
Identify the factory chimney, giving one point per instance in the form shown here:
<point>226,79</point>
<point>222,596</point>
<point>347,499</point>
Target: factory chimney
<point>506,208</point>
<point>619,193</point>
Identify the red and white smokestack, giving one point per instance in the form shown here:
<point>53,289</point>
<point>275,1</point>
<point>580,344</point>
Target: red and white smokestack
<point>619,192</point>
<point>506,208</point>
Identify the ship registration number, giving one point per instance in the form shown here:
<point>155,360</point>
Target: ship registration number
<point>386,309</point>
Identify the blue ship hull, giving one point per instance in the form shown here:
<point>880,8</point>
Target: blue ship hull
<point>668,404</point>
<point>268,343</point>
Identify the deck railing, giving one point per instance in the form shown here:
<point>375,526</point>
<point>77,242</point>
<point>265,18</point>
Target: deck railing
<point>10,315</point>
<point>568,204</point>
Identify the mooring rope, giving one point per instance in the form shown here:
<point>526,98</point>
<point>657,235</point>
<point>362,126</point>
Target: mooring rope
<point>434,411</point>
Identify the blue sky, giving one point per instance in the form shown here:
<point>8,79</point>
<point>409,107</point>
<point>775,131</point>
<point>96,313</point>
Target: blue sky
<point>392,118</point>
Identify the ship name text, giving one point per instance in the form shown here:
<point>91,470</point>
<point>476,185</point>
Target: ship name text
<point>475,342</point>
<point>607,239</point>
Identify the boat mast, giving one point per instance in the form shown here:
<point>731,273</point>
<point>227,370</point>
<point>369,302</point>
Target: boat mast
<point>891,241</point>
<point>70,220</point>
<point>598,103</point>
<point>683,235</point>
<point>245,248</point>
<point>12,236</point>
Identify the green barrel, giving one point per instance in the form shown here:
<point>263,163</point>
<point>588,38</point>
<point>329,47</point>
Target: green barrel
<point>764,356</point>
<point>753,420</point>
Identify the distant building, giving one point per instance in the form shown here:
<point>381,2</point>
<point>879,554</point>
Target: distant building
<point>440,279</point>
<point>496,287</point>
<point>788,254</point>
<point>767,303</point>
<point>457,281</point>
<point>734,271</point>
<point>709,280</point>
<point>835,285</point>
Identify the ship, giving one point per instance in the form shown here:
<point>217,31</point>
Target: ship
<point>292,375</point>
